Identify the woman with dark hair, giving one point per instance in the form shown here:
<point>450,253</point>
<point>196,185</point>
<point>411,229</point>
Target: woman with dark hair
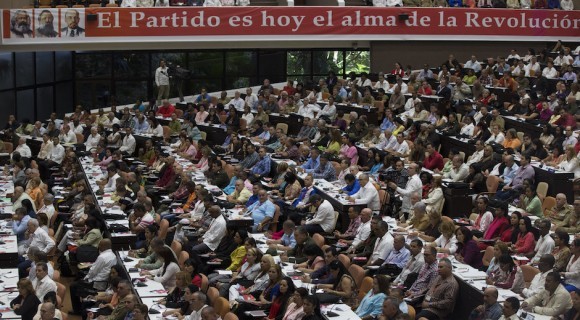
<point>467,250</point>
<point>348,150</point>
<point>343,287</point>
<point>311,308</point>
<point>295,309</point>
<point>484,217</point>
<point>212,117</point>
<point>166,274</point>
<point>555,157</point>
<point>235,259</point>
<point>27,204</point>
<point>282,300</point>
<point>233,120</point>
<point>371,161</point>
<point>561,250</point>
<point>263,297</point>
<point>547,137</point>
<point>536,150</point>
<point>510,235</point>
<point>315,260</point>
<point>497,226</point>
<point>475,178</point>
<point>191,266</point>
<point>530,202</point>
<point>481,131</point>
<point>426,179</point>
<point>504,276</point>
<point>26,303</point>
<point>572,270</point>
<point>150,234</point>
<point>185,306</point>
<point>175,300</point>
<point>525,243</point>
<point>371,305</point>
<point>155,128</point>
<point>450,128</point>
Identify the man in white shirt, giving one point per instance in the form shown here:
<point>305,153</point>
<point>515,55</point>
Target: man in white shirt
<point>549,71</point>
<point>401,148</point>
<point>383,245</point>
<point>473,64</point>
<point>478,154</point>
<point>413,185</point>
<point>23,148</point>
<point>570,138</point>
<point>251,99</point>
<point>545,265</point>
<point>363,232</point>
<point>323,220</point>
<point>54,158</point>
<point>307,111</point>
<point>533,68</point>
<point>389,143</point>
<point>545,243</point>
<point>400,84</point>
<point>237,102</point>
<point>364,81</point>
<point>42,284</point>
<point>48,207</point>
<point>212,237</point>
<point>459,170</point>
<point>38,238</point>
<point>67,136</point>
<point>109,183</point>
<point>129,142</point>
<point>415,263</point>
<point>111,120</point>
<point>510,308</point>
<point>93,139</point>
<point>367,194</point>
<point>162,81</point>
<point>198,303</point>
<point>99,271</point>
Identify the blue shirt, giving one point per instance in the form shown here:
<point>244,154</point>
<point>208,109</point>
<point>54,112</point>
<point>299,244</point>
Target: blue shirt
<point>251,200</point>
<point>205,97</point>
<point>387,125</point>
<point>376,168</point>
<point>509,174</point>
<point>371,304</point>
<point>288,240</point>
<point>261,210</point>
<point>19,228</point>
<point>262,168</point>
<point>229,189</point>
<point>352,189</point>
<point>311,164</point>
<point>302,195</point>
<point>398,257</point>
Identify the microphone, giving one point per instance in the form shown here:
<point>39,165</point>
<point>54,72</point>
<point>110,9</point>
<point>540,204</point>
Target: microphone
<point>329,313</point>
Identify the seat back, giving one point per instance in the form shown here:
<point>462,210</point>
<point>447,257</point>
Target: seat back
<point>243,124</point>
<point>163,226</point>
<point>166,132</point>
<point>411,311</point>
<point>204,283</point>
<point>492,183</point>
<point>179,113</point>
<point>8,147</point>
<point>487,256</point>
<point>542,190</point>
<point>529,273</point>
<point>80,138</point>
<point>357,273</point>
<point>212,294</point>
<point>318,239</point>
<point>282,126</point>
<point>221,306</point>
<point>183,256</point>
<point>229,169</point>
<point>365,286</point>
<point>274,223</point>
<point>345,260</point>
<point>547,205</point>
<point>230,316</point>
<point>176,247</point>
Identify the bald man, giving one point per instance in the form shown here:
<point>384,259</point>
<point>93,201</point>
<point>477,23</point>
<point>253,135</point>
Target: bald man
<point>490,309</point>
<point>562,209</point>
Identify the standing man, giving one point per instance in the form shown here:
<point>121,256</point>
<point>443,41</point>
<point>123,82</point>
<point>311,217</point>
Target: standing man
<point>413,185</point>
<point>162,81</point>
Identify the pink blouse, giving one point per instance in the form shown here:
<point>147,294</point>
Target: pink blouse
<point>525,244</point>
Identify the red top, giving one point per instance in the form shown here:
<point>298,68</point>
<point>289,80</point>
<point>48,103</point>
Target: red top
<point>435,160</point>
<point>166,111</point>
<point>525,244</point>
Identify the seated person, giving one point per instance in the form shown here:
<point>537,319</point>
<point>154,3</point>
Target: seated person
<point>553,301</point>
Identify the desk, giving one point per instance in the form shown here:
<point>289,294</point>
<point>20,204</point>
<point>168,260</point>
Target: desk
<point>533,130</point>
<point>8,252</point>
<point>343,311</point>
<point>8,292</point>
<point>370,112</point>
<point>153,289</point>
<point>329,191</point>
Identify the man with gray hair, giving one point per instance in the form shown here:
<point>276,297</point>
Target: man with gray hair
<point>367,194</point>
<point>198,302</point>
<point>48,206</point>
<point>47,311</point>
<point>420,220</point>
<point>37,238</point>
<point>23,148</point>
<point>441,296</point>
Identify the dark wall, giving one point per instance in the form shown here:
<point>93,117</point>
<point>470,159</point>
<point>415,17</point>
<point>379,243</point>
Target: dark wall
<point>384,54</point>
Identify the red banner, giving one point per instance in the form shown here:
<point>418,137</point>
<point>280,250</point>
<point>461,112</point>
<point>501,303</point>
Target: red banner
<point>285,23</point>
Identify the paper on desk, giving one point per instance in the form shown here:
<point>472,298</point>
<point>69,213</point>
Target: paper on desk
<point>225,272</point>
